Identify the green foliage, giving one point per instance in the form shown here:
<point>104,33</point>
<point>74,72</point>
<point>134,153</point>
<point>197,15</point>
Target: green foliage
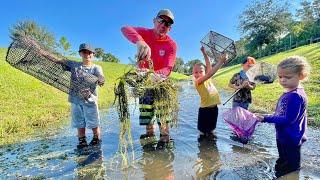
<point>99,52</point>
<point>32,29</point>
<point>263,21</point>
<point>316,9</point>
<point>65,45</point>
<point>293,33</point>
<point>110,58</point>
<point>190,64</point>
<point>179,66</point>
<point>305,13</point>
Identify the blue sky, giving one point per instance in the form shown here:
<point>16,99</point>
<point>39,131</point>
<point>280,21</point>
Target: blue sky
<point>99,21</point>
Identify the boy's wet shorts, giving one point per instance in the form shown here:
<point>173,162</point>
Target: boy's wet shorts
<point>207,119</point>
<point>85,115</point>
<point>147,110</point>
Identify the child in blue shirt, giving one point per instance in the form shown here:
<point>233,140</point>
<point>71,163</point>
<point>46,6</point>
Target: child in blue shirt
<point>290,117</point>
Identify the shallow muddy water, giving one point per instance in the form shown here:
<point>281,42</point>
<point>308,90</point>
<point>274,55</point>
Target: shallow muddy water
<point>54,155</point>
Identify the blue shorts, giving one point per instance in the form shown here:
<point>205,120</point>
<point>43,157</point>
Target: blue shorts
<point>85,115</point>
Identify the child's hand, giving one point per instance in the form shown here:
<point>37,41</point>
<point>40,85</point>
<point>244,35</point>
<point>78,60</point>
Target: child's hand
<point>202,49</point>
<point>259,117</point>
<point>101,80</point>
<point>85,93</point>
<point>224,57</point>
<point>245,84</point>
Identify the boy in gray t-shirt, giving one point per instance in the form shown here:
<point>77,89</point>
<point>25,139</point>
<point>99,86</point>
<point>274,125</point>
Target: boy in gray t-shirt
<point>83,95</point>
<point>85,76</point>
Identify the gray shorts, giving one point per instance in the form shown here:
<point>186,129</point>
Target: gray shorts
<point>85,115</point>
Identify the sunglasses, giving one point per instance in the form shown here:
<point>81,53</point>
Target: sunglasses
<point>163,21</point>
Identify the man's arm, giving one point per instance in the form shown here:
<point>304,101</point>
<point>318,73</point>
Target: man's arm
<point>134,34</point>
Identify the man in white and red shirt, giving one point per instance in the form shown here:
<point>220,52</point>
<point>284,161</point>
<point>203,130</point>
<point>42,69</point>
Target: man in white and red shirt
<point>156,46</point>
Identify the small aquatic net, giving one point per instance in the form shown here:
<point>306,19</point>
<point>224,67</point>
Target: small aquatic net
<point>33,58</point>
<point>262,73</point>
<point>241,121</point>
<point>215,44</point>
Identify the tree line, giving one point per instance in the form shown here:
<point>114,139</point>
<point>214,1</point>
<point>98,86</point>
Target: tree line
<point>47,39</point>
<point>267,26</point>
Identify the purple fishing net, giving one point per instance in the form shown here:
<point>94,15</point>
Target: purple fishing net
<point>241,121</point>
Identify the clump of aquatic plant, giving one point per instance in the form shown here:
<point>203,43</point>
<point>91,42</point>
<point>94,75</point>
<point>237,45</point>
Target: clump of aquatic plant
<point>135,84</point>
<point>165,94</point>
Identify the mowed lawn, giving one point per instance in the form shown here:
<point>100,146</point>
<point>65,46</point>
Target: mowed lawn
<point>265,96</point>
<point>29,106</point>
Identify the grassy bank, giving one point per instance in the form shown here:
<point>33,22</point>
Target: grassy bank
<point>265,96</point>
<point>29,106</point>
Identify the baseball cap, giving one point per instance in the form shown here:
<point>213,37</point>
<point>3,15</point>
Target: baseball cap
<point>86,46</point>
<point>250,61</point>
<point>166,12</point>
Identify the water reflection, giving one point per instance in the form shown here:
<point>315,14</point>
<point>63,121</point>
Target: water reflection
<point>90,164</point>
<point>208,163</point>
<point>157,159</point>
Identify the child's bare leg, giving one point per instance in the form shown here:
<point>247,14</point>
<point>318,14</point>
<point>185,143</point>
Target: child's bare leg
<point>82,138</point>
<point>96,132</point>
<point>96,140</point>
<point>150,129</point>
<point>164,131</point>
<point>81,132</point>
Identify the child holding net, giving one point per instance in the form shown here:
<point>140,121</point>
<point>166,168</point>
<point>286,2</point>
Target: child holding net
<point>208,111</point>
<point>290,117</point>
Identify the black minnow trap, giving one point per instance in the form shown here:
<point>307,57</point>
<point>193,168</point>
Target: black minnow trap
<point>34,59</point>
<point>215,44</point>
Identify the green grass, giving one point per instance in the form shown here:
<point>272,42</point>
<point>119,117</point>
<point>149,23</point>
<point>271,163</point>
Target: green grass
<point>29,106</point>
<point>265,96</point>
